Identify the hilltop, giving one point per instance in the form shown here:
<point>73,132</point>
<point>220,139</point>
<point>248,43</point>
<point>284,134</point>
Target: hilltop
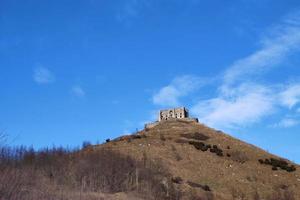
<point>174,160</point>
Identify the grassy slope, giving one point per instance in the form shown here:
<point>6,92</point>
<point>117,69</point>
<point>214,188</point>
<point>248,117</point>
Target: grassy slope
<point>221,174</point>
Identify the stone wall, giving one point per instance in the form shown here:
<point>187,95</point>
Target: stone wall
<point>153,124</point>
<point>175,113</point>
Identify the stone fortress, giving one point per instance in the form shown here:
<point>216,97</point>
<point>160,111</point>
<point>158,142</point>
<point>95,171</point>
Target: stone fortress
<point>175,113</point>
<point>181,113</point>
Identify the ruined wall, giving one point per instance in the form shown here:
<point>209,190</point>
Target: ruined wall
<point>175,113</point>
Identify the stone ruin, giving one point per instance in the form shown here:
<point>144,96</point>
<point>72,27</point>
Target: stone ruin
<point>181,113</point>
<point>175,113</point>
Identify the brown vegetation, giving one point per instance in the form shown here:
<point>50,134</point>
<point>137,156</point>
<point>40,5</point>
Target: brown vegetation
<point>195,136</point>
<point>174,160</point>
<point>278,163</point>
<point>61,173</point>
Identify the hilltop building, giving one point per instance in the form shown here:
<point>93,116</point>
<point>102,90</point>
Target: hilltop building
<point>175,113</point>
<point>181,113</point>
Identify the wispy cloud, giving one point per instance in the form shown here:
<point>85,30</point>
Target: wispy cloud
<point>241,102</point>
<point>238,100</point>
<point>78,91</point>
<point>286,123</point>
<point>282,40</point>
<point>42,75</point>
<point>291,95</point>
<point>179,87</point>
<point>248,104</point>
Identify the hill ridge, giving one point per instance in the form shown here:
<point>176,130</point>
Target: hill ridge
<point>217,160</point>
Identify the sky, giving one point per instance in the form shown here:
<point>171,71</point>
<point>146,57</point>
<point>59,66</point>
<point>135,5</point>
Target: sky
<point>88,70</point>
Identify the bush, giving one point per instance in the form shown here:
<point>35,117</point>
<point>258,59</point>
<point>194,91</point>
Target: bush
<point>274,168</point>
<point>204,147</point>
<point>195,136</point>
<point>50,173</point>
<point>278,163</point>
<point>216,150</point>
<point>177,180</point>
<point>162,137</point>
<point>220,154</point>
<point>197,185</point>
<point>197,145</point>
<point>181,141</point>
<point>86,144</point>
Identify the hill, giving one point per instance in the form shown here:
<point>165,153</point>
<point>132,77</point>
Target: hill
<point>200,158</point>
<point>176,159</point>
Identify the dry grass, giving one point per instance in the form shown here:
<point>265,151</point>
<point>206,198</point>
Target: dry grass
<point>220,173</point>
<point>142,166</point>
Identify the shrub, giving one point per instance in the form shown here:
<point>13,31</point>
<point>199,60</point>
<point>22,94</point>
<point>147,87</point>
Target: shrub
<point>50,173</point>
<point>220,154</point>
<point>197,185</point>
<point>181,141</point>
<point>268,162</point>
<point>162,137</point>
<point>86,144</point>
<point>206,188</point>
<point>278,163</point>
<point>177,180</point>
<point>195,136</point>
<point>197,145</point>
<point>135,136</point>
<point>274,168</point>
<point>212,150</point>
<point>132,137</point>
<point>204,148</point>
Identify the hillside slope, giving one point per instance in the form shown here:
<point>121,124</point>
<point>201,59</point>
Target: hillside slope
<point>202,160</point>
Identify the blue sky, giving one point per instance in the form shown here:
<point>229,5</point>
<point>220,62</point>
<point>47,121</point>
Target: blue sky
<point>81,70</point>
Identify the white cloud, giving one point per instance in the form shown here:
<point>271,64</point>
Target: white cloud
<point>167,96</point>
<point>286,123</point>
<point>240,101</point>
<point>248,104</point>
<point>42,75</point>
<point>291,95</point>
<point>283,40</point>
<point>78,91</point>
<point>179,87</point>
<point>240,104</point>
